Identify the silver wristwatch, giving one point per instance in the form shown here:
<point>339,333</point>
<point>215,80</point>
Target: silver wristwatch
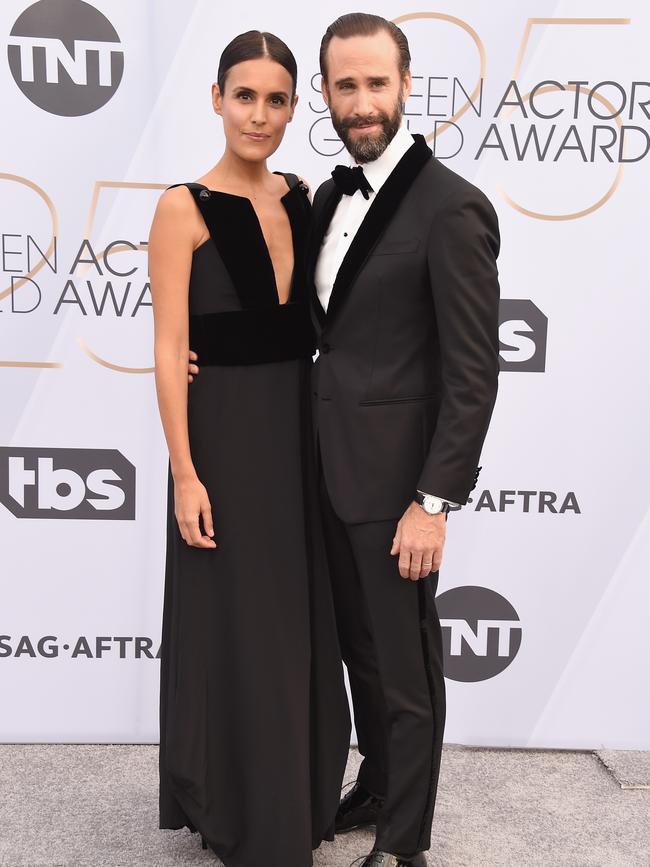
<point>431,505</point>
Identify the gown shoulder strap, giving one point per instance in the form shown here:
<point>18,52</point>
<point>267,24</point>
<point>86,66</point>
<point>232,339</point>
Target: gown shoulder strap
<point>192,186</point>
<point>293,181</point>
<point>200,194</point>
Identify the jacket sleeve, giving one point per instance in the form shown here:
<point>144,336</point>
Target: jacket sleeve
<point>463,246</point>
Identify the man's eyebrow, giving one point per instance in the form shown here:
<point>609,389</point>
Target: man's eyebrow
<point>280,93</point>
<point>373,79</point>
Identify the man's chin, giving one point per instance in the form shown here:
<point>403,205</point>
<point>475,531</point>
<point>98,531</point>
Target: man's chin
<point>369,139</point>
<point>368,148</point>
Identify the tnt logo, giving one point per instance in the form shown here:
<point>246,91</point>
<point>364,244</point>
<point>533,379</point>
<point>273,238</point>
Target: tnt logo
<point>522,336</point>
<point>481,633</point>
<point>65,56</point>
<point>67,483</point>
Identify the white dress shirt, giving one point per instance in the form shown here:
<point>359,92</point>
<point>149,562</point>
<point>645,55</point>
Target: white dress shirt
<point>351,211</point>
<point>349,215</point>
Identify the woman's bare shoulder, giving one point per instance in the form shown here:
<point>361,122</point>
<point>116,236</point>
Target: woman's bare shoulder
<point>175,201</point>
<point>176,221</point>
<point>176,209</point>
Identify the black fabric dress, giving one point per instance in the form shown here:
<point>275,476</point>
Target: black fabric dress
<point>254,722</point>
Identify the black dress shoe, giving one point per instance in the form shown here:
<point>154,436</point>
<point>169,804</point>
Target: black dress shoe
<point>357,809</point>
<point>385,859</point>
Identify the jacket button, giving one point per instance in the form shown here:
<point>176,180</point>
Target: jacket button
<point>325,348</point>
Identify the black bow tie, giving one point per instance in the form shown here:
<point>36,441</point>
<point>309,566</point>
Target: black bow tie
<point>349,180</point>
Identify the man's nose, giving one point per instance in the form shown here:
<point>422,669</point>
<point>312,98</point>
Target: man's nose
<point>363,104</point>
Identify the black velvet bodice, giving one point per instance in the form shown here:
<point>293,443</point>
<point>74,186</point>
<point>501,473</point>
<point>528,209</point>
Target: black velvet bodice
<point>255,328</point>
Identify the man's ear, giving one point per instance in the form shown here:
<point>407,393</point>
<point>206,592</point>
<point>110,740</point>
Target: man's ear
<point>325,91</point>
<point>407,84</point>
<point>216,98</point>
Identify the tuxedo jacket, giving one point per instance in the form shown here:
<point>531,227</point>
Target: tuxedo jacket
<point>406,377</point>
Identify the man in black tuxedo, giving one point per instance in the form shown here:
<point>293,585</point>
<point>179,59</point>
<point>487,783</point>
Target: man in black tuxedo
<point>405,300</point>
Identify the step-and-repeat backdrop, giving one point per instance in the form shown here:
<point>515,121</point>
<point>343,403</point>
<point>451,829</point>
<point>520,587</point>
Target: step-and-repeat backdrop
<point>544,595</point>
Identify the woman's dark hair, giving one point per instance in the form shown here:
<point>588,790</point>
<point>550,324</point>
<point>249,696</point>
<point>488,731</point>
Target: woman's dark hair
<point>252,45</point>
<point>364,24</point>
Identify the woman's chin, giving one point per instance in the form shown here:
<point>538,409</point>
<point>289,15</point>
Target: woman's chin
<point>255,152</point>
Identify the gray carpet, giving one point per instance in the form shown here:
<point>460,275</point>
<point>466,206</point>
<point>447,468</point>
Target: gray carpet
<point>630,768</point>
<point>95,806</point>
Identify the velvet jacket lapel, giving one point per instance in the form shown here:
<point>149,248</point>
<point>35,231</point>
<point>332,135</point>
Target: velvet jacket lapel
<point>375,222</point>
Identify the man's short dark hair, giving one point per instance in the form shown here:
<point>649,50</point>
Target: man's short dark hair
<point>364,24</point>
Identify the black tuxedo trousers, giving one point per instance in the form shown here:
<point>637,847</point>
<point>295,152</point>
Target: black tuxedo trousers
<point>390,640</point>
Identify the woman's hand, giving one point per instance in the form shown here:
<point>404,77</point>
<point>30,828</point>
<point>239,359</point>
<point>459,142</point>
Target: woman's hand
<point>192,368</point>
<point>190,501</point>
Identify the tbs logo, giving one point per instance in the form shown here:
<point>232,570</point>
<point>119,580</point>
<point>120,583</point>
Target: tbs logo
<point>65,56</point>
<point>523,330</point>
<point>67,483</point>
<point>481,633</point>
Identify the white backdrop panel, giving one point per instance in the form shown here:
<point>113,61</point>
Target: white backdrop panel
<point>552,648</point>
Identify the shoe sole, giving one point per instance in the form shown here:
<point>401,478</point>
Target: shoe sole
<point>356,827</point>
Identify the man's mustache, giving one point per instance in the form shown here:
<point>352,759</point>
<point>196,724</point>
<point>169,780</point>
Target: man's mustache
<point>355,122</point>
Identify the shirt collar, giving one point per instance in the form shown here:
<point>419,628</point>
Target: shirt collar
<point>378,171</point>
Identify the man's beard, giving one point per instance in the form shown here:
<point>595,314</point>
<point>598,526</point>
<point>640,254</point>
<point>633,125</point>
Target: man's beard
<point>367,148</point>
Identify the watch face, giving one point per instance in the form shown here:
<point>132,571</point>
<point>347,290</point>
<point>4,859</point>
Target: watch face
<point>432,505</point>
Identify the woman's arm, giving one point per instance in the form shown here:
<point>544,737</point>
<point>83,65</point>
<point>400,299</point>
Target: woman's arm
<point>173,236</point>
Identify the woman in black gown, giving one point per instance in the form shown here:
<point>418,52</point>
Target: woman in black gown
<point>253,713</point>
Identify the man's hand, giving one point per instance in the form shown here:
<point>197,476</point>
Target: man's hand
<point>419,540</point>
<point>192,369</point>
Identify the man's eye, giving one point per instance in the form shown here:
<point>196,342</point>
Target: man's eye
<point>278,100</point>
<point>244,95</point>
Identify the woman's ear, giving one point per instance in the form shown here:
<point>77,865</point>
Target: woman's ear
<point>293,108</point>
<point>216,98</point>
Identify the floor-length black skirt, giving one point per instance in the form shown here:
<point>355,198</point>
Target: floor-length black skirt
<point>254,718</point>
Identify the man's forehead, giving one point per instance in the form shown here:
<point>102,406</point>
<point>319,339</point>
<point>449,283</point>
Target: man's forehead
<point>373,56</point>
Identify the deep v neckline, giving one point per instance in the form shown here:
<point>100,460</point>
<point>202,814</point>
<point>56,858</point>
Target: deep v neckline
<point>261,238</point>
